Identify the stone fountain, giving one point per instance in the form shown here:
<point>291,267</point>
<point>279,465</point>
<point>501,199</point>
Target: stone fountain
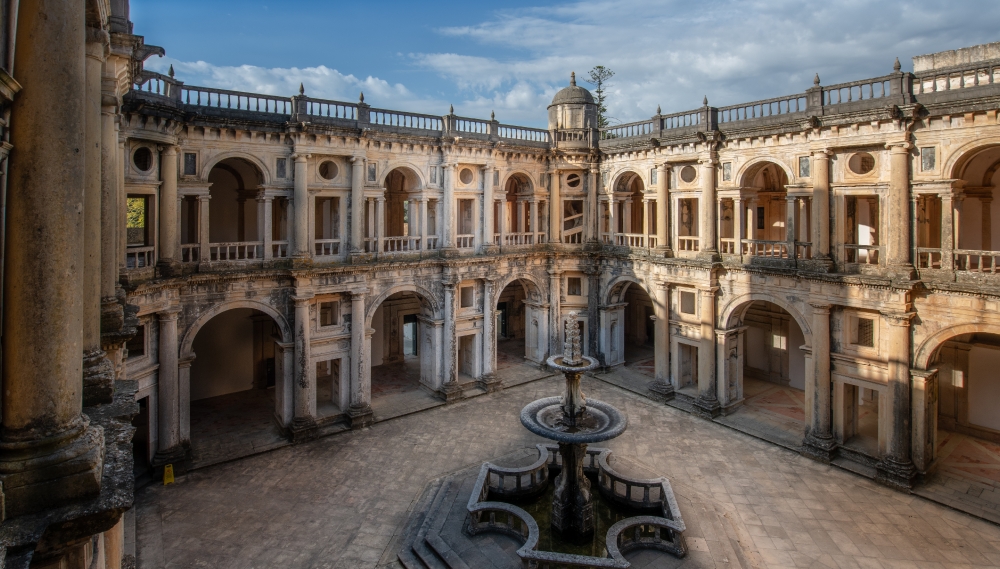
<point>573,422</point>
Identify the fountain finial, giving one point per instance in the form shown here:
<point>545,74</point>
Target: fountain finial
<point>571,346</point>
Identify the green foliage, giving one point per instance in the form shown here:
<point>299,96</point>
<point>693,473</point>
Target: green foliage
<point>598,77</point>
<point>136,216</point>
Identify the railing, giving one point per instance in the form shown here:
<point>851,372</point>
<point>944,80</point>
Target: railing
<point>929,258</point>
<point>687,243</point>
<point>863,90</point>
<point>630,239</point>
<point>519,239</point>
<point>727,245</point>
<point>522,133</point>
<point>764,108</point>
<point>680,120</point>
<point>521,481</point>
<point>571,135</point>
<point>474,126</point>
<point>803,250</point>
<point>935,81</point>
<point>190,252</point>
<point>432,242</point>
<point>976,261</point>
<point>640,128</point>
<point>651,239</point>
<point>862,254</point>
<point>464,241</point>
<point>223,99</point>
<point>761,248</point>
<point>573,238</point>
<point>138,257</point>
<point>371,244</point>
<point>326,247</point>
<point>331,109</point>
<point>154,83</point>
<point>399,244</point>
<point>241,251</point>
<point>405,120</point>
<point>279,249</point>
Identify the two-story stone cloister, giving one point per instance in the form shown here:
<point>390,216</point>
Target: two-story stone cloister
<point>826,257</point>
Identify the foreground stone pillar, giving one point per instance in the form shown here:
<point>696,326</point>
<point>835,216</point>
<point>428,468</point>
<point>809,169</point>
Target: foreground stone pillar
<point>707,245</point>
<point>447,222</point>
<point>489,380</point>
<point>821,205</point>
<point>49,453</point>
<point>896,467</point>
<point>112,315</point>
<point>360,412</point>
<point>662,210</point>
<point>357,203</point>
<point>488,206</point>
<point>300,205</point>
<point>925,413</point>
<point>707,403</point>
<point>661,388</point>
<point>819,442</point>
<point>450,389</point>
<point>304,423</point>
<point>169,449</point>
<point>948,241</point>
<point>555,312</point>
<point>169,220</point>
<point>898,257</point>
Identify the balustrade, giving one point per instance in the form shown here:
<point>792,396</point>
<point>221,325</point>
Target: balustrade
<point>522,133</point>
<point>687,243</point>
<point>139,257</point>
<point>727,245</point>
<point>974,75</point>
<point>239,251</point>
<point>279,249</point>
<point>640,128</point>
<point>464,241</point>
<point>400,244</point>
<point>223,99</point>
<point>326,247</point>
<point>764,108</point>
<point>856,91</point>
<point>190,252</point>
<point>762,248</point>
<point>473,126</point>
<point>519,239</point>
<point>862,254</point>
<point>432,242</point>
<point>680,120</point>
<point>976,261</point>
<point>630,239</point>
<point>803,249</point>
<point>929,258</point>
<point>331,109</point>
<point>385,117</point>
<point>371,244</point>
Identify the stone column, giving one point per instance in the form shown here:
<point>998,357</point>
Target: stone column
<point>739,225</point>
<point>821,205</point>
<point>487,227</point>
<point>661,388</point>
<point>489,380</point>
<point>802,228</point>
<point>593,311</point>
<point>122,204</point>
<point>168,393</point>
<point>169,220</point>
<point>49,454</point>
<point>300,205</point>
<point>533,219</point>
<point>896,467</point>
<point>357,203</point>
<point>450,389</point>
<point>112,313</point>
<point>819,442</point>
<point>924,413</point>
<point>267,231</point>
<point>662,210</point>
<point>502,220</point>
<point>555,312</point>
<point>447,221</point>
<point>555,210</point>
<point>360,411</point>
<point>304,394</point>
<point>380,223</point>
<point>423,224</point>
<point>899,209</point>
<point>593,204</point>
<point>645,221</point>
<point>947,232</point>
<point>204,245</point>
<point>790,225</point>
<point>987,222</point>
<point>707,403</point>
<point>184,398</point>
<point>708,243</point>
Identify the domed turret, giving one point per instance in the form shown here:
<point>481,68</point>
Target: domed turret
<point>572,108</point>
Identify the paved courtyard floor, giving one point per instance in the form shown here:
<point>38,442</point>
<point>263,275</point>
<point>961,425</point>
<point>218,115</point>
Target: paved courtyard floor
<point>341,501</point>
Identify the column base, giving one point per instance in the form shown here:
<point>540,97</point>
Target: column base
<point>98,379</point>
<point>894,473</point>
<point>905,272</point>
<point>660,391</point>
<point>168,268</point>
<point>449,251</point>
<point>816,264</point>
<point>822,449</point>
<point>491,249</point>
<point>712,256</point>
<point>665,252</point>
<point>451,392</point>
<point>490,382</point>
<point>302,429</point>
<point>42,473</point>
<point>708,408</point>
<point>360,416</point>
<point>360,257</point>
<point>302,261</point>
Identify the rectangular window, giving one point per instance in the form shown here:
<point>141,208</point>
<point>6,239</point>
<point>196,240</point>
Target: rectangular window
<point>329,313</point>
<point>137,219</point>
<point>136,346</point>
<point>465,216</point>
<point>466,297</point>
<point>727,171</point>
<point>574,286</point>
<point>327,218</point>
<point>190,164</point>
<point>928,160</point>
<point>687,302</point>
<point>281,168</point>
<point>866,332</point>
<point>804,167</point>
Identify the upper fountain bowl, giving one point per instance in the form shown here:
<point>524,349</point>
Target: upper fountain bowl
<point>598,422</point>
<point>559,362</point>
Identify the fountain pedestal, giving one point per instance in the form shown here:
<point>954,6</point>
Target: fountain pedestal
<point>572,510</point>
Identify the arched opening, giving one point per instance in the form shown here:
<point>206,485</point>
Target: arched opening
<point>236,213</point>
<point>404,216</point>
<point>629,221</point>
<point>968,425</point>
<point>766,219</point>
<point>234,379</point>
<point>520,326</point>
<point>517,220</point>
<point>402,348</point>
<point>638,330</point>
<point>628,335</point>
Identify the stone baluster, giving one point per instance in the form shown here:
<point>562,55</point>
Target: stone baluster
<point>896,467</point>
<point>707,403</point>
<point>360,411</point>
<point>300,205</point>
<point>819,441</point>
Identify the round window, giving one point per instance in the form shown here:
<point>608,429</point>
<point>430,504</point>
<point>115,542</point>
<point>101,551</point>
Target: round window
<point>328,170</point>
<point>142,158</point>
<point>861,163</point>
<point>466,176</point>
<point>688,174</point>
<point>573,180</point>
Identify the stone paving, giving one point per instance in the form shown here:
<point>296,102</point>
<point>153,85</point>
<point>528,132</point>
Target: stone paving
<point>341,501</point>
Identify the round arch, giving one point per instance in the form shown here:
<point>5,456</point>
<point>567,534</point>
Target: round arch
<point>748,171</point>
<point>426,298</point>
<point>516,174</point>
<point>410,172</point>
<point>732,312</point>
<point>928,348</point>
<point>959,158</point>
<point>618,286</point>
<point>502,285</point>
<point>262,170</point>
<point>625,173</point>
<point>186,345</point>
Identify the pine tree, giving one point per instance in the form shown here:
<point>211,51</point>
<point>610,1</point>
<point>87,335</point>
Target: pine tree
<point>599,76</point>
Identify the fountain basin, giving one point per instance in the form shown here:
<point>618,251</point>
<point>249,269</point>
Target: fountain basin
<point>559,363</point>
<point>599,421</point>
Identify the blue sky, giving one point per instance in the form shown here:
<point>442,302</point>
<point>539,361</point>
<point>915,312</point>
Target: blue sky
<point>513,56</point>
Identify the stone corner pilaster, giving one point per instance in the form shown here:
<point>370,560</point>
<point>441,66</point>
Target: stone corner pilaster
<point>822,449</point>
<point>707,408</point>
<point>490,383</point>
<point>660,391</point>
<point>895,474</point>
<point>303,429</point>
<point>360,417</point>
<point>451,392</point>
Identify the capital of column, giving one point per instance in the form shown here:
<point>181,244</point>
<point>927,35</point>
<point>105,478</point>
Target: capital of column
<point>820,307</point>
<point>168,314</point>
<point>303,299</point>
<point>902,147</point>
<point>300,157</point>
<point>708,291</point>
<point>186,361</point>
<point>901,319</point>
<point>169,149</point>
<point>822,154</point>
<point>355,159</point>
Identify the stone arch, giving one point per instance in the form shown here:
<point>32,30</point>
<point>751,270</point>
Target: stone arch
<point>957,161</point>
<point>749,171</point>
<point>618,286</point>
<point>626,174</point>
<point>427,299</point>
<point>924,354</point>
<point>515,174</point>
<point>732,312</point>
<point>410,172</point>
<point>503,284</point>
<point>186,345</point>
<point>262,171</point>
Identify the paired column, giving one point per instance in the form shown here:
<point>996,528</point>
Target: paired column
<point>357,203</point>
<point>821,205</point>
<point>555,312</point>
<point>169,220</point>
<point>896,467</point>
<point>48,452</point>
<point>423,224</point>
<point>489,380</point>
<point>487,228</point>
<point>708,402</point>
<point>707,243</point>
<point>360,411</point>
<point>204,253</point>
<point>448,213</point>
<point>168,392</point>
<point>304,393</point>
<point>662,209</point>
<point>790,225</point>
<point>300,205</point>
<point>267,232</point>
<point>819,441</point>
<point>555,210</point>
<point>899,207</point>
<point>661,386</point>
<point>948,240</point>
<point>380,223</point>
<point>593,204</point>
<point>739,225</point>
<point>450,388</point>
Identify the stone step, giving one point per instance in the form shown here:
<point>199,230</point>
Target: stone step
<point>862,460</point>
<point>446,553</point>
<point>422,508</point>
<point>854,466</point>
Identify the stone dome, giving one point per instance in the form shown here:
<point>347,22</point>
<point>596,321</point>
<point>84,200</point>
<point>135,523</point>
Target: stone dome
<point>573,95</point>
